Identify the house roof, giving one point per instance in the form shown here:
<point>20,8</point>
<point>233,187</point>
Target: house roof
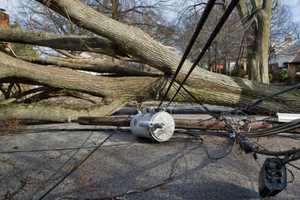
<point>291,49</point>
<point>294,48</point>
<point>287,53</point>
<point>294,51</point>
<point>296,59</point>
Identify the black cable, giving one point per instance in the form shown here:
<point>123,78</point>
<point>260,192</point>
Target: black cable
<point>292,175</point>
<point>266,132</point>
<point>252,147</point>
<point>200,103</point>
<point>55,149</point>
<point>286,125</point>
<point>293,157</point>
<point>66,162</point>
<point>219,26</point>
<point>210,4</point>
<point>227,152</point>
<point>294,166</point>
<point>276,153</point>
<point>44,150</point>
<point>297,86</point>
<point>75,167</point>
<point>275,130</point>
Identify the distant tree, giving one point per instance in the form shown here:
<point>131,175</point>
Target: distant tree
<point>257,37</point>
<point>282,25</point>
<point>225,48</point>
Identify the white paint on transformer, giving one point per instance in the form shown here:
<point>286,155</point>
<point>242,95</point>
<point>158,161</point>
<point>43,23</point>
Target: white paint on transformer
<point>158,126</point>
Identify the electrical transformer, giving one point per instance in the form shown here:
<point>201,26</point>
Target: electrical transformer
<point>158,126</point>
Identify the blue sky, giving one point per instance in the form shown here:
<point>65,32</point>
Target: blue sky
<point>9,5</point>
<point>295,5</point>
<point>12,7</point>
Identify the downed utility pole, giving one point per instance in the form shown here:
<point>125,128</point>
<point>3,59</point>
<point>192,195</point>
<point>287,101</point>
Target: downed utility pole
<point>203,121</point>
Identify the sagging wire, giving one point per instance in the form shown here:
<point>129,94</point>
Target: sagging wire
<point>226,153</point>
<point>294,166</point>
<point>76,166</point>
<point>231,135</point>
<point>64,164</point>
<point>292,175</point>
<point>252,147</point>
<point>195,35</point>
<point>213,35</point>
<point>290,155</point>
<point>274,130</point>
<point>236,134</point>
<point>206,46</point>
<point>289,89</point>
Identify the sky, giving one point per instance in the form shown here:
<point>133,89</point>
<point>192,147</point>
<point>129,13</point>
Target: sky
<point>9,5</point>
<point>12,7</point>
<point>295,5</point>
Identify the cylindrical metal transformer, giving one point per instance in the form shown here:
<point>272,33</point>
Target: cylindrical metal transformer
<point>157,126</point>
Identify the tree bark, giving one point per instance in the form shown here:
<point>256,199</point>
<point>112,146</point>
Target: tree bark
<point>93,65</point>
<point>65,42</point>
<point>63,78</point>
<point>56,113</point>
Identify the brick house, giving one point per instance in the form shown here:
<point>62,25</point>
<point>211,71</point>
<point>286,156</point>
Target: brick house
<point>286,55</point>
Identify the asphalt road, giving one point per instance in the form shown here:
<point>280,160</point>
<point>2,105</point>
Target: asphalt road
<point>128,168</point>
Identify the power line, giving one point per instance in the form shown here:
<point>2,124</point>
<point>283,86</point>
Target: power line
<point>295,166</point>
<point>219,26</point>
<point>198,29</point>
<point>75,167</point>
<point>294,87</point>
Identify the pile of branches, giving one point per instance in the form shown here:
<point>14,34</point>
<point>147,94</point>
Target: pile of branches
<point>113,80</point>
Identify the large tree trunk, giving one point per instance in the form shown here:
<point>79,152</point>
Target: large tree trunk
<point>56,113</point>
<point>66,42</point>
<point>258,39</point>
<point>56,77</point>
<point>98,65</point>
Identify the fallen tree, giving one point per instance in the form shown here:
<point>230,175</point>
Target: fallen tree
<point>64,42</point>
<point>18,71</point>
<point>141,46</point>
<point>56,113</point>
<point>202,121</point>
<point>116,67</point>
<point>118,40</point>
